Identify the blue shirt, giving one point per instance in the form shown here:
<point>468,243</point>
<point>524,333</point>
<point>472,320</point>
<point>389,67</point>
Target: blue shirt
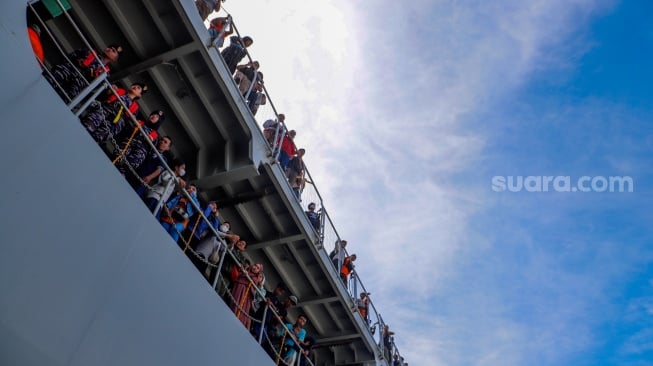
<point>203,226</point>
<point>289,341</point>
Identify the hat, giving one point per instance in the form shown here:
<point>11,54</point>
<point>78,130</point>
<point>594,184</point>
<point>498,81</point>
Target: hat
<point>293,299</point>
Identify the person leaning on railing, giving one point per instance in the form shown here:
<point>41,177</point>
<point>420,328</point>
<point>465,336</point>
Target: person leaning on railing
<point>295,171</point>
<point>235,51</point>
<point>134,149</point>
<point>177,212</point>
<point>107,119</point>
<point>243,291</point>
<point>150,168</point>
<point>337,255</point>
<point>363,304</point>
<point>209,249</point>
<point>229,271</point>
<point>347,268</point>
<point>245,75</point>
<point>85,63</point>
<point>290,348</point>
<point>288,149</point>
<point>256,96</point>
<point>387,341</point>
<point>164,186</point>
<point>313,217</point>
<point>307,350</point>
<point>219,30</point>
<point>270,129</point>
<point>202,227</point>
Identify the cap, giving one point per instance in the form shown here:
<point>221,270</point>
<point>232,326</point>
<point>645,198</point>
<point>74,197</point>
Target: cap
<point>293,299</point>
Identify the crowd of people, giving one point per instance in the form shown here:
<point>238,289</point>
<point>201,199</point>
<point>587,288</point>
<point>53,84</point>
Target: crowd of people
<point>143,156</point>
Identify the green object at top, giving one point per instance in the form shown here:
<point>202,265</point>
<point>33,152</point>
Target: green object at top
<point>54,8</point>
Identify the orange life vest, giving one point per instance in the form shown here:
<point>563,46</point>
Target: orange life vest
<point>37,47</point>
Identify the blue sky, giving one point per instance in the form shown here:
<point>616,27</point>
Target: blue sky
<point>407,109</point>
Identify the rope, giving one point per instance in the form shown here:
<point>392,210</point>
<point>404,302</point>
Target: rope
<point>283,340</point>
<point>197,223</point>
<point>123,151</point>
<point>242,300</point>
<point>240,309</point>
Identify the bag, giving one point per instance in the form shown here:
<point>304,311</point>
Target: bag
<point>215,256</point>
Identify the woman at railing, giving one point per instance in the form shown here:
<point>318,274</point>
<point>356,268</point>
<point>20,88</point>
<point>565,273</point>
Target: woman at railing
<point>243,292</point>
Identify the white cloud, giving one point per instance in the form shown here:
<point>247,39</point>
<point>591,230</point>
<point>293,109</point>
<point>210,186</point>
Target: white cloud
<point>381,95</point>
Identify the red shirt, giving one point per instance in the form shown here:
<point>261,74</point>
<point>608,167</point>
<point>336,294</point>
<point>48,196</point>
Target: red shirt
<point>288,146</point>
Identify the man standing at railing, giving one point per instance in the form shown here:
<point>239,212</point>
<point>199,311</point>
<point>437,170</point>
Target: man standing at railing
<point>337,255</point>
<point>151,167</point>
<point>256,97</point>
<point>245,76</point>
<point>235,51</point>
<point>290,347</point>
<point>270,128</point>
<point>295,172</point>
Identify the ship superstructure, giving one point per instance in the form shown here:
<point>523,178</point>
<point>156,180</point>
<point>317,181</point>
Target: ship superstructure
<point>88,275</point>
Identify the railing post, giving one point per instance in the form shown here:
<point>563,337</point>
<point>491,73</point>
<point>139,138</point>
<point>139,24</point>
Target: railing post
<point>265,313</point>
<point>219,267</point>
<point>162,202</point>
<point>251,86</point>
<point>322,222</point>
